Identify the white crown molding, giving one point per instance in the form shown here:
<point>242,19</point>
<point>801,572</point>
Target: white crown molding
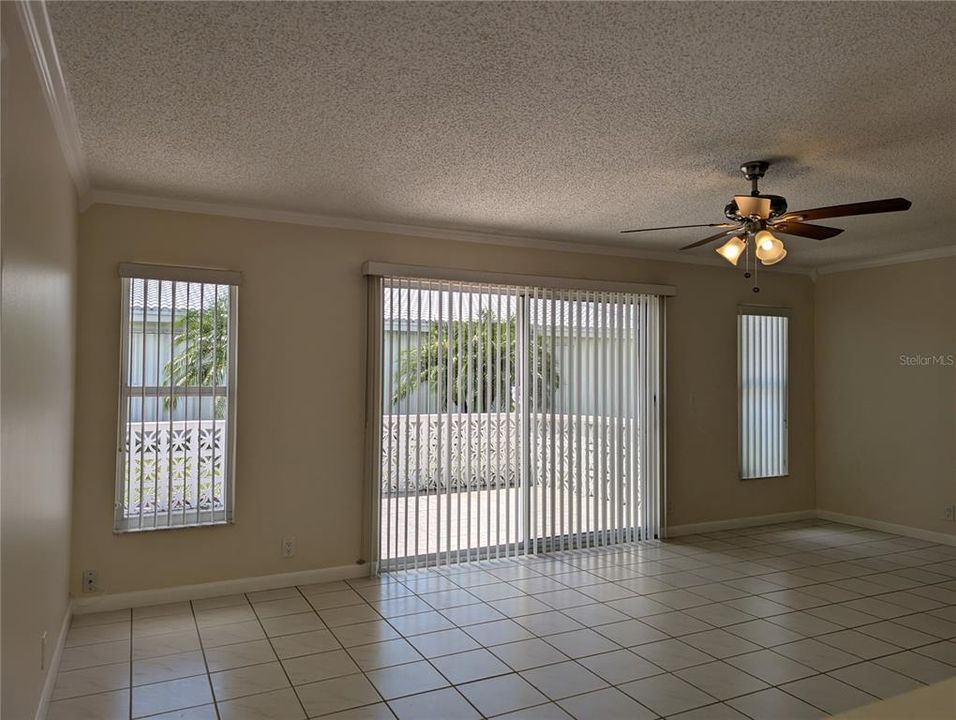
<point>246,212</point>
<point>39,35</point>
<point>897,259</point>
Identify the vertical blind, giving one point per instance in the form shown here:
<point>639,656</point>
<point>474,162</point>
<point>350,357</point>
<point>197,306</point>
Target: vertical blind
<point>512,419</point>
<point>177,397</point>
<point>762,367</point>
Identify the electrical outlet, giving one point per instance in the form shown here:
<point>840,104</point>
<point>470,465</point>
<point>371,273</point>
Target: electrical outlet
<point>949,513</point>
<point>288,546</point>
<point>43,650</point>
<point>89,581</point>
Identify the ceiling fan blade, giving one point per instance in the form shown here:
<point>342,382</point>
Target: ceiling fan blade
<point>817,232</point>
<point>678,227</point>
<point>710,239</point>
<point>863,208</point>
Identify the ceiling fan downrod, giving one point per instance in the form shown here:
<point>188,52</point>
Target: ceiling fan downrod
<point>754,171</point>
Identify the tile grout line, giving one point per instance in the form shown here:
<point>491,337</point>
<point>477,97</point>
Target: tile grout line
<point>920,559</point>
<point>450,685</point>
<point>131,662</point>
<point>717,701</point>
<point>202,651</point>
<point>574,659</point>
<point>273,648</point>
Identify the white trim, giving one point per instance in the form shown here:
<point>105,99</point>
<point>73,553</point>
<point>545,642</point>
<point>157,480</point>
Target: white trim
<point>566,244</point>
<point>246,212</point>
<point>169,518</point>
<point>897,259</point>
<point>907,530</point>
<point>53,668</point>
<point>119,601</point>
<point>141,598</point>
<point>766,310</point>
<point>417,272</point>
<point>150,271</point>
<point>39,36</point>
<point>752,462</point>
<point>741,522</point>
<point>755,520</point>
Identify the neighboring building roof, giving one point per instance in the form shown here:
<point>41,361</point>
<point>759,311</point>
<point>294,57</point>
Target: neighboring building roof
<point>415,306</point>
<point>158,296</point>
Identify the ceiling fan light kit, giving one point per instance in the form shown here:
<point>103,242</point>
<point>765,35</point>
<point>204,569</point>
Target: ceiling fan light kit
<point>756,217</point>
<point>769,248</point>
<point>732,250</point>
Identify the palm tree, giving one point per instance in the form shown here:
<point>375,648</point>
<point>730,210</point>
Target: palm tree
<point>200,351</point>
<point>481,356</point>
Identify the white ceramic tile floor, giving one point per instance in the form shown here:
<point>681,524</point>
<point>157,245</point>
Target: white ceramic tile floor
<point>791,621</point>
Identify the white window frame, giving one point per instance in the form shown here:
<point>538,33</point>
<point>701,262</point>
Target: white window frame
<point>783,406</point>
<point>194,518</point>
<point>652,379</point>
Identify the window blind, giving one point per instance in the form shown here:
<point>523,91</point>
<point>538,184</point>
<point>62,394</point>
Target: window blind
<point>177,398</point>
<point>511,419</point>
<point>763,385</point>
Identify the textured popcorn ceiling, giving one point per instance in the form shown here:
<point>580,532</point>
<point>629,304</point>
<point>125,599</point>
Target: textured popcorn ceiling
<point>551,120</point>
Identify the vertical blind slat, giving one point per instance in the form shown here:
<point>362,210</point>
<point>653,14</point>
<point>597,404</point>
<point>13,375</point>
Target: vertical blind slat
<point>142,405</point>
<point>458,456</point>
<point>579,422</point>
<point>169,476</point>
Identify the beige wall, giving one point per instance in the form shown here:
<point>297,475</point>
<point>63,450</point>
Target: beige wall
<point>38,253</point>
<point>886,431</point>
<point>300,448</point>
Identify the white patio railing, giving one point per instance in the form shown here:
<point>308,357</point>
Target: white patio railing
<point>174,466</point>
<point>415,451</point>
<point>586,448</point>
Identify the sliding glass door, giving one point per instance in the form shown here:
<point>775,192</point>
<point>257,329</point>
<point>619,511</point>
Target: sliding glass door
<point>512,420</point>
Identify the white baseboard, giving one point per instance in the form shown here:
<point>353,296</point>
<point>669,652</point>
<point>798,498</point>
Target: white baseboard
<point>906,530</point>
<point>754,520</point>
<point>742,522</point>
<point>53,668</point>
<point>140,598</point>
<point>118,601</point>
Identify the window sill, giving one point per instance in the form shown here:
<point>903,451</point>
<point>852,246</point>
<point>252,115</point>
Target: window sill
<point>179,526</point>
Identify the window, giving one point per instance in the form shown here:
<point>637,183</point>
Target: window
<point>177,398</point>
<point>513,419</point>
<point>762,359</point>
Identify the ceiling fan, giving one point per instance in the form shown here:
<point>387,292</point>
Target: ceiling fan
<point>759,218</point>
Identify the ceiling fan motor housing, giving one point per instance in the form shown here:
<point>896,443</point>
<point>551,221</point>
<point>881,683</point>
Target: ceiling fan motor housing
<point>778,206</point>
<point>754,171</point>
